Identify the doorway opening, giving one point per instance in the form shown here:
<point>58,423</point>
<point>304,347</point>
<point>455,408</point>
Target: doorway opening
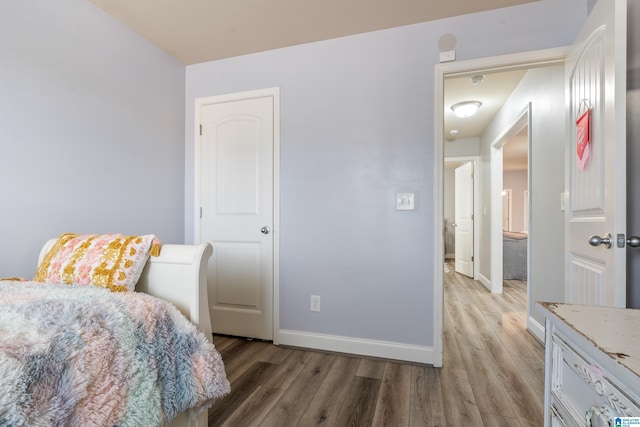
<point>446,147</point>
<point>460,229</point>
<point>510,170</point>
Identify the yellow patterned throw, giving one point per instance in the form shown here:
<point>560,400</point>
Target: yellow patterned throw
<point>111,261</point>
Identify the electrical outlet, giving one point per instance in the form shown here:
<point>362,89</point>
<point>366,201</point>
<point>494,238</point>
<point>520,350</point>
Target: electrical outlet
<point>405,201</point>
<point>315,303</point>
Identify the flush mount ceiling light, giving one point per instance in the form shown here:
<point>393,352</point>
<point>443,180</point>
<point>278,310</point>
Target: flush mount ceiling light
<point>466,109</point>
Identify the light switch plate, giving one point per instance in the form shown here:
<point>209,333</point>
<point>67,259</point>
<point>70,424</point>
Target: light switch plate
<point>405,201</point>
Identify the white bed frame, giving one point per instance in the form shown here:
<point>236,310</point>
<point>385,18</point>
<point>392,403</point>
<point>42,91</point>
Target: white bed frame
<point>178,275</point>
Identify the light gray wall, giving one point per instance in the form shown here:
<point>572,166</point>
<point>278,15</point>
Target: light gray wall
<point>544,88</point>
<point>463,147</point>
<point>517,182</point>
<point>356,127</point>
<point>91,130</point>
<point>633,151</point>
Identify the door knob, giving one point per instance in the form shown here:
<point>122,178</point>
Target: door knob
<point>265,230</point>
<point>633,241</point>
<point>597,240</point>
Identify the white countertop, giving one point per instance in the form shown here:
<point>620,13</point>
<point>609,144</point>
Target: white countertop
<point>615,331</point>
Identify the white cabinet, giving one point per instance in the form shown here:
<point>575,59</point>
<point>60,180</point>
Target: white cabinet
<point>592,364</point>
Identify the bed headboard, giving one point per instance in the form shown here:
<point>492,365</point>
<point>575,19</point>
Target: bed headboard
<point>178,275</point>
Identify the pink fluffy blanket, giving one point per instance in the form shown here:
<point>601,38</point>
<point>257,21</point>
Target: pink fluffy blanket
<point>84,356</point>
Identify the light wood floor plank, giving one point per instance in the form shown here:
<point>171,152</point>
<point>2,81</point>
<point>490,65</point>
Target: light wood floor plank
<point>243,357</point>
<point>451,352</point>
<point>255,408</point>
<point>490,394</point>
<point>370,368</point>
<point>325,407</point>
<point>460,407</point>
<point>394,399</point>
<point>294,402</point>
<point>491,420</point>
<point>286,372</point>
<point>427,409</point>
<point>359,407</point>
<point>242,388</point>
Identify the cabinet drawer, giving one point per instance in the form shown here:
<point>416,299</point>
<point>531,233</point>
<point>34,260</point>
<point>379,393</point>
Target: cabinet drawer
<point>580,389</point>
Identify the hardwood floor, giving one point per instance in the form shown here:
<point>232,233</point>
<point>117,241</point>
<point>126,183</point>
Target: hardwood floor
<point>493,374</point>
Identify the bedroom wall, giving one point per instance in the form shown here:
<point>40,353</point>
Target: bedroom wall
<point>544,88</point>
<point>91,130</point>
<point>463,147</point>
<point>356,127</point>
<point>517,182</point>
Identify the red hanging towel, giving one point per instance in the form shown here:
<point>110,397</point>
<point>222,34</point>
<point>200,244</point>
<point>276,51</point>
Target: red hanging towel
<point>583,138</point>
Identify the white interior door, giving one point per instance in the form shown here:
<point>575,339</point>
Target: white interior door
<point>236,195</point>
<point>596,78</point>
<point>464,219</point>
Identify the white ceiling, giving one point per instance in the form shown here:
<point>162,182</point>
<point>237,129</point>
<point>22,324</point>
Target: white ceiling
<point>492,92</point>
<point>195,31</point>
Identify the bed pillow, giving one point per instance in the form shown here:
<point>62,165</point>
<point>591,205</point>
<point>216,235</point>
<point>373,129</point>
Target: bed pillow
<point>111,261</point>
<point>517,235</point>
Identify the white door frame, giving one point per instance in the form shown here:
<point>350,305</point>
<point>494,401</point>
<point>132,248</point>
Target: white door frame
<point>523,119</point>
<point>476,207</point>
<point>240,96</point>
<point>495,63</point>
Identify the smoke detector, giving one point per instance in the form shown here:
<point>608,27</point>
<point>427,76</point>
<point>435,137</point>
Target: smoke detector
<point>476,80</point>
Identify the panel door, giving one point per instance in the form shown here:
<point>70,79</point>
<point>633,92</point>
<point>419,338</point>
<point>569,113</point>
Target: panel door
<point>464,219</point>
<point>236,197</point>
<point>596,79</point>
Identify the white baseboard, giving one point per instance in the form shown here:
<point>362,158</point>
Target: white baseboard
<point>485,282</point>
<point>362,347</point>
<point>536,329</point>
<point>449,256</point>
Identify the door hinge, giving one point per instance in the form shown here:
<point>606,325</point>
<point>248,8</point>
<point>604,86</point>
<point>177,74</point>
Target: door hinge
<point>472,258</point>
<point>200,130</point>
<point>200,212</point>
<point>471,217</point>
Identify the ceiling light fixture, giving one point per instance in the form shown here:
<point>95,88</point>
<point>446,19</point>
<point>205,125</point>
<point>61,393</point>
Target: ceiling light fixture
<point>466,109</point>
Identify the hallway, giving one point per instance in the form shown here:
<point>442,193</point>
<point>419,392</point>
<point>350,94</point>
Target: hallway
<point>498,364</point>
